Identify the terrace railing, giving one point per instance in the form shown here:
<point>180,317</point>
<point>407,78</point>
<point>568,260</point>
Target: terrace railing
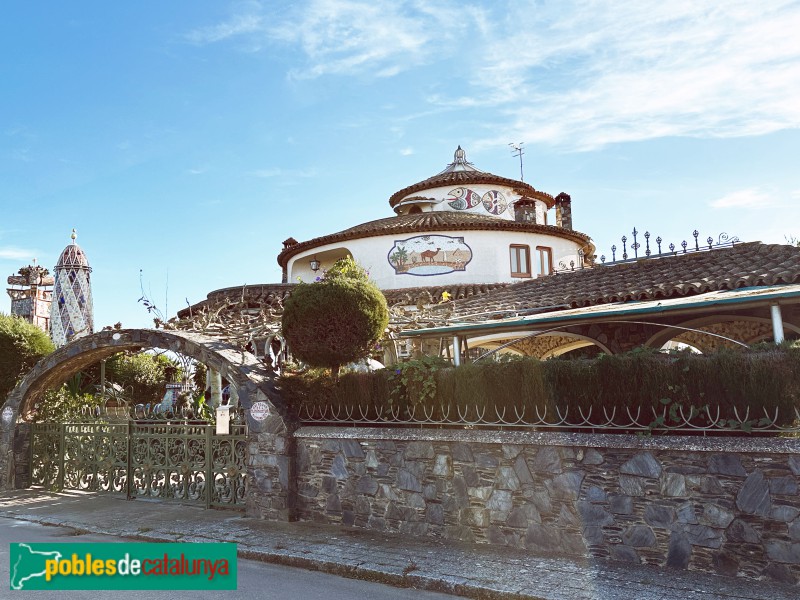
<point>672,418</point>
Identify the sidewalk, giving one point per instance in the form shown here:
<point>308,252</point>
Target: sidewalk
<point>482,572</point>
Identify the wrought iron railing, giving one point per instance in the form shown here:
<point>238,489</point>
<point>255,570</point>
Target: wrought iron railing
<point>186,462</point>
<point>631,247</point>
<point>665,419</point>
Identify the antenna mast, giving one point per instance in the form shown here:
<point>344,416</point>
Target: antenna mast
<point>517,150</point>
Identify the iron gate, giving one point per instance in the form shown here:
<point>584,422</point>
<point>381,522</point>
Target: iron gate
<point>149,459</point>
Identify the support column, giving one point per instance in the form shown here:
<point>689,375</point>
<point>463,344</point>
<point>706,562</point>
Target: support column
<point>214,382</point>
<point>777,323</point>
<point>456,350</point>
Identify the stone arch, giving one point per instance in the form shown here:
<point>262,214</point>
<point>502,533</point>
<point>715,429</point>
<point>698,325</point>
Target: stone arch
<point>253,382</point>
<point>745,329</point>
<point>548,345</point>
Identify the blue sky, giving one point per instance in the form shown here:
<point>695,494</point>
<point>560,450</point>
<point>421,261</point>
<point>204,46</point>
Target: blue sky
<point>189,139</point>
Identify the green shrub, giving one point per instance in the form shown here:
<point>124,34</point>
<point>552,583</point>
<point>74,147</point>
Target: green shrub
<point>22,345</point>
<point>637,383</point>
<point>142,376</point>
<point>337,320</point>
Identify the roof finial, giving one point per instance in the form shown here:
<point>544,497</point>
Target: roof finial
<point>74,235</point>
<point>460,156</point>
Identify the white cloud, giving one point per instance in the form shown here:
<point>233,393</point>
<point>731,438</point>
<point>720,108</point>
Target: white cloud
<point>749,198</point>
<point>14,253</point>
<point>591,73</point>
<point>578,74</point>
<point>381,38</point>
<point>406,151</point>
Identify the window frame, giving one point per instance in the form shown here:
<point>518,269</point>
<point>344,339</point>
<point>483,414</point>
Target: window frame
<point>541,252</point>
<point>515,249</point>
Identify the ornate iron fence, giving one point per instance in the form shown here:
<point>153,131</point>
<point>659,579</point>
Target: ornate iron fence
<point>674,418</point>
<point>153,459</point>
<point>630,250</point>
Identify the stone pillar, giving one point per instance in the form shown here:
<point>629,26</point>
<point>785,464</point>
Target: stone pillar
<point>21,463</point>
<point>564,211</point>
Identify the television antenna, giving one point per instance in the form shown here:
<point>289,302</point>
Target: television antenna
<point>517,150</point>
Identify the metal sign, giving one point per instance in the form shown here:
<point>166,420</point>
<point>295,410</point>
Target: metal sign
<point>259,411</point>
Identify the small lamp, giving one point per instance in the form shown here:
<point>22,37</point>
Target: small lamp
<point>314,264</point>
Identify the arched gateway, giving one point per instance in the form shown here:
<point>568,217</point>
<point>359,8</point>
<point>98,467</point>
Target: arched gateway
<point>266,428</point>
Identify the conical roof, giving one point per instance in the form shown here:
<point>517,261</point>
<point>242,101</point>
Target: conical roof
<point>461,172</point>
<point>73,257</point>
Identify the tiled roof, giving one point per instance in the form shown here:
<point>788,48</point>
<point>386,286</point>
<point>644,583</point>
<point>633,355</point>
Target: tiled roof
<point>431,221</point>
<point>271,294</point>
<point>432,294</point>
<point>744,265</point>
<point>275,294</point>
<point>459,178</point>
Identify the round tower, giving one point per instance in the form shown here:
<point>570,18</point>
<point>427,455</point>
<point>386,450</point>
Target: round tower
<point>71,314</point>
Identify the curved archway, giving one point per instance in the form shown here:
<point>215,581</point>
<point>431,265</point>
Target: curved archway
<point>540,345</point>
<point>253,382</point>
<point>745,329</point>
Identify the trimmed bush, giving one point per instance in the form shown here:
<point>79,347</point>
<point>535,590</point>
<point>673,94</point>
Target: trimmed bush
<point>335,321</point>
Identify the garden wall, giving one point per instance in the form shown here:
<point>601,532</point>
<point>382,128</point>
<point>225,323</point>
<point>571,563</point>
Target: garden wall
<point>726,505</point>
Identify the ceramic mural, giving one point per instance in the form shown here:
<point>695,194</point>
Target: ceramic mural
<point>426,255</point>
<point>465,198</point>
<point>494,202</point>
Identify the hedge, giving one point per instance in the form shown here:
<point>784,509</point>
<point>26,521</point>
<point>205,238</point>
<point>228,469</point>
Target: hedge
<point>766,378</point>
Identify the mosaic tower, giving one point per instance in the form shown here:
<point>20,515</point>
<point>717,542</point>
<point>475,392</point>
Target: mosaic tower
<point>71,314</point>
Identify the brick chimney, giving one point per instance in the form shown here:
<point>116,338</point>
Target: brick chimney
<point>525,210</point>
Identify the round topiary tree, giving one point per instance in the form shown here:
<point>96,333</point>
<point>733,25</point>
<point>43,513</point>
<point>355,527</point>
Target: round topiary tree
<point>22,345</point>
<point>335,320</point>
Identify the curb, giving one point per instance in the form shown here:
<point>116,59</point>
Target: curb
<point>406,579</point>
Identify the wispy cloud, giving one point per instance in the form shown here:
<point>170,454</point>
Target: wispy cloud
<point>15,253</point>
<point>579,74</point>
<point>593,73</point>
<point>406,151</point>
<point>235,26</point>
<point>749,198</point>
<point>283,173</point>
<point>380,38</point>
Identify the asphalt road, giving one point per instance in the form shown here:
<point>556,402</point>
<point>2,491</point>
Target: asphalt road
<point>256,580</point>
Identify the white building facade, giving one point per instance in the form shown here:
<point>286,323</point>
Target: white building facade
<point>461,226</point>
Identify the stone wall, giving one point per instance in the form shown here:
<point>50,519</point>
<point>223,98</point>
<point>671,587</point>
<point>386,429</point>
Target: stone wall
<point>723,505</point>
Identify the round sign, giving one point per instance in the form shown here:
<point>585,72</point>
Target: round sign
<point>8,414</point>
<point>259,411</point>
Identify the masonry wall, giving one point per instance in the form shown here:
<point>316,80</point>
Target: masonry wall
<point>722,505</point>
